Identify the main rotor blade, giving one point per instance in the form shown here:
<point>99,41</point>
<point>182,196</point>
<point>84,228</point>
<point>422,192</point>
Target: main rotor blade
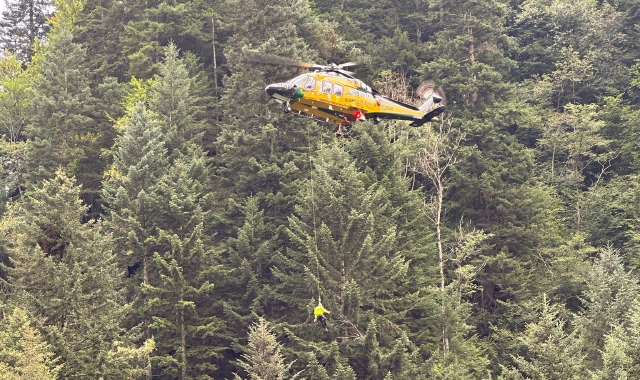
<point>348,64</point>
<point>275,60</point>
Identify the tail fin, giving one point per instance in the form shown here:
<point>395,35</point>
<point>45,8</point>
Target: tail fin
<point>434,101</point>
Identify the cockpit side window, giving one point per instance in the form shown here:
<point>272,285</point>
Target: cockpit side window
<point>310,84</point>
<point>327,87</point>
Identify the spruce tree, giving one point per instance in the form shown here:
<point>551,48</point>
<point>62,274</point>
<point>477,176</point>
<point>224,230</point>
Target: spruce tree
<point>620,356</point>
<point>264,359</point>
<point>23,352</point>
<point>173,98</point>
<point>63,272</point>
<point>549,351</point>
<point>154,24</point>
<point>101,26</point>
<point>609,295</point>
<point>568,59</point>
<point>62,130</point>
<point>259,150</point>
<point>179,300</point>
<point>493,186</point>
<point>22,22</point>
<point>246,282</point>
<point>134,206</point>
<point>158,209</point>
<point>345,249</point>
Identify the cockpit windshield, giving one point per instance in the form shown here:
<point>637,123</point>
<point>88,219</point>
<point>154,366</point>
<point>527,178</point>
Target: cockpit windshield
<point>299,80</point>
<point>364,87</point>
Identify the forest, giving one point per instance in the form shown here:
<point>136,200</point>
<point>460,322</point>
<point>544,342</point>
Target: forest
<point>162,218</point>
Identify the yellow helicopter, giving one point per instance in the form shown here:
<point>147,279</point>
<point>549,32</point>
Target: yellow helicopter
<point>332,94</point>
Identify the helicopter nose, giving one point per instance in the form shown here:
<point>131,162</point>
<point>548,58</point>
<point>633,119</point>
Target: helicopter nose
<point>281,91</point>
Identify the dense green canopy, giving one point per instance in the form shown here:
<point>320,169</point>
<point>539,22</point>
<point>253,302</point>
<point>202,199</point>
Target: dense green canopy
<point>163,219</point>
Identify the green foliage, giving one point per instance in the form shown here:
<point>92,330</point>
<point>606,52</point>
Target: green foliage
<point>63,272</point>
<point>23,21</point>
<point>264,359</point>
<point>160,170</point>
<point>152,25</point>
<point>15,101</point>
<point>549,351</point>
<point>621,349</point>
<point>200,179</point>
<point>23,353</point>
<point>610,293</point>
<point>63,130</point>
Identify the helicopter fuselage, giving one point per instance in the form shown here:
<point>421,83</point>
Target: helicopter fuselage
<point>342,99</point>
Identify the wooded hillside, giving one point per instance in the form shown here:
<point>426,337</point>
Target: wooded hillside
<point>163,219</point>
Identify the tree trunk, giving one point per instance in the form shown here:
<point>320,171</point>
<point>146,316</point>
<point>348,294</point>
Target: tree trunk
<point>147,333</point>
<point>472,59</point>
<point>183,343</point>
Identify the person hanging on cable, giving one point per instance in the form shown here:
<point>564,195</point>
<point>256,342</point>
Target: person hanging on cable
<point>318,314</point>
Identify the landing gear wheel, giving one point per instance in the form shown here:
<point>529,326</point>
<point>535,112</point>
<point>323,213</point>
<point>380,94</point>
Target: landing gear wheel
<point>287,108</point>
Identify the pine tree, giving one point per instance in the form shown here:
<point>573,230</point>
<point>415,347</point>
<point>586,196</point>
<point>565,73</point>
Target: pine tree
<point>575,63</point>
<point>62,130</point>
<point>155,24</point>
<point>620,354</point>
<point>23,352</point>
<point>264,359</point>
<point>609,295</point>
<point>550,352</point>
<point>246,282</point>
<point>101,26</point>
<point>345,248</point>
<point>493,186</point>
<point>158,209</point>
<point>132,194</point>
<point>173,99</point>
<point>63,272</point>
<point>344,372</point>
<point>22,22</point>
<point>178,300</point>
<point>259,151</point>
<point>459,353</point>
<point>579,154</point>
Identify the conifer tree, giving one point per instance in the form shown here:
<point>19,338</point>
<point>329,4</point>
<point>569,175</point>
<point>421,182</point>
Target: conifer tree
<point>131,192</point>
<point>609,295</point>
<point>264,359</point>
<point>550,352</point>
<point>63,272</point>
<point>101,26</point>
<point>620,356</point>
<point>259,149</point>
<point>173,99</point>
<point>178,301</point>
<point>493,186</point>
<point>154,24</point>
<point>344,372</point>
<point>131,188</point>
<point>244,289</point>
<point>23,352</point>
<point>158,210</point>
<point>22,22</point>
<point>345,248</point>
<point>62,130</point>
<point>571,61</point>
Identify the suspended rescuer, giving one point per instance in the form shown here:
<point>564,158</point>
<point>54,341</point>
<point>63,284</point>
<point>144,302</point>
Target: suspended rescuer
<point>318,314</point>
